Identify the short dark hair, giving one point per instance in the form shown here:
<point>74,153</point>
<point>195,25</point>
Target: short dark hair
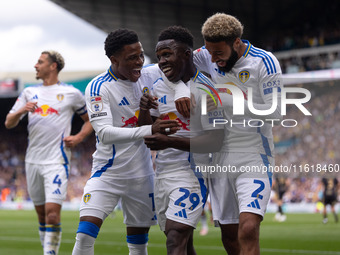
<point>117,39</point>
<point>177,33</point>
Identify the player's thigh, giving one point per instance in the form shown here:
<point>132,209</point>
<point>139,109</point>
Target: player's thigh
<point>55,182</point>
<point>138,202</point>
<point>224,202</point>
<point>254,187</point>
<point>100,197</point>
<point>35,184</point>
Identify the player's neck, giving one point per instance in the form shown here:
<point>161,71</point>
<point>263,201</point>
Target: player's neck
<point>50,81</point>
<point>242,49</point>
<point>189,73</point>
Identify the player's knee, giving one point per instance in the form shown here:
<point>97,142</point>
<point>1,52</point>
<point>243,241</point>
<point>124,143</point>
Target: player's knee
<point>176,239</point>
<point>249,230</point>
<point>52,218</point>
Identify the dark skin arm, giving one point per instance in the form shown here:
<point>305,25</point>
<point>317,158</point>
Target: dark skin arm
<point>185,104</point>
<point>211,141</point>
<point>146,103</point>
<point>158,124</point>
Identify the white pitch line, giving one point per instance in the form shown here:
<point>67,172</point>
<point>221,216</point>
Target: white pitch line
<point>118,243</point>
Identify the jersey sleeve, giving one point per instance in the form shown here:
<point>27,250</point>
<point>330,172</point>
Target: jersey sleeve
<point>100,115</point>
<point>20,102</point>
<point>79,105</point>
<point>270,86</point>
<point>202,59</point>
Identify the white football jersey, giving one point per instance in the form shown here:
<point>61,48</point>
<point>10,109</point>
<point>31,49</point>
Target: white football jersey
<point>174,162</point>
<point>51,121</point>
<point>115,102</point>
<point>256,69</point>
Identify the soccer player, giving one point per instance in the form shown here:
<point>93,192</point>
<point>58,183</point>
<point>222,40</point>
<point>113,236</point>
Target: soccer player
<point>180,194</point>
<point>280,187</point>
<point>122,166</point>
<point>239,199</point>
<point>330,194</point>
<point>50,107</point>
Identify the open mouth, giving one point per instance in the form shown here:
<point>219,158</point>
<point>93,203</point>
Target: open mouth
<point>167,70</point>
<point>136,72</point>
<point>221,63</point>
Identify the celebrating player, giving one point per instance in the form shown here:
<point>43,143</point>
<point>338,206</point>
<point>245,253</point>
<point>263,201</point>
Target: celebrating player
<point>122,166</point>
<point>239,199</point>
<point>180,194</point>
<point>50,107</point>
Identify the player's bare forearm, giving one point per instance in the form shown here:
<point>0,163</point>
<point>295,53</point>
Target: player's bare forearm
<point>73,140</point>
<point>144,118</point>
<point>146,103</point>
<point>160,142</point>
<point>210,141</point>
<point>12,119</point>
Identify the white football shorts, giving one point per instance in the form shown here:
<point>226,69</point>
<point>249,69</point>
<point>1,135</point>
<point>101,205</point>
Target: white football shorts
<point>245,186</point>
<point>46,183</point>
<point>181,200</point>
<point>102,194</point>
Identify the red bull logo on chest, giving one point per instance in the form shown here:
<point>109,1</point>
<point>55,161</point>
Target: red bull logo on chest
<point>45,110</point>
<point>131,122</point>
<point>173,116</point>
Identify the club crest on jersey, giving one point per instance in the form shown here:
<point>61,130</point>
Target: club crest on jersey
<point>96,104</point>
<point>87,197</point>
<point>145,90</point>
<point>60,97</point>
<point>243,76</point>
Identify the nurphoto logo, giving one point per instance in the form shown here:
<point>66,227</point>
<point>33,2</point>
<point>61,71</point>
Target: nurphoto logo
<point>239,104</point>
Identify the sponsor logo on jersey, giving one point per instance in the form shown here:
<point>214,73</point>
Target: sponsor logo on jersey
<point>243,76</point>
<point>255,204</point>
<point>45,110</point>
<point>124,102</point>
<point>162,100</point>
<point>182,214</point>
<point>131,122</point>
<point>87,197</point>
<point>60,97</point>
<point>94,115</point>
<point>145,90</point>
<point>173,116</point>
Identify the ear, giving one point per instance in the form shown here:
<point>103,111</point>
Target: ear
<point>114,60</point>
<point>237,43</point>
<point>54,66</point>
<point>188,53</point>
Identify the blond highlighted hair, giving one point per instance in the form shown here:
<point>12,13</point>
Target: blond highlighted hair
<point>222,27</point>
<point>55,57</point>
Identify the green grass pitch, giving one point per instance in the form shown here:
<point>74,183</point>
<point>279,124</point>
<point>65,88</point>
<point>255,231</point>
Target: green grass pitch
<point>300,234</point>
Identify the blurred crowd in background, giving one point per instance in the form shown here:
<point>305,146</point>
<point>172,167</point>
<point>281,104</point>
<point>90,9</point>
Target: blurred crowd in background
<point>313,141</point>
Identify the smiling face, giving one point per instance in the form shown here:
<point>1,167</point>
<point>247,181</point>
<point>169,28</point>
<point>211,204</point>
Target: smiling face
<point>171,59</point>
<point>222,54</point>
<point>128,63</point>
